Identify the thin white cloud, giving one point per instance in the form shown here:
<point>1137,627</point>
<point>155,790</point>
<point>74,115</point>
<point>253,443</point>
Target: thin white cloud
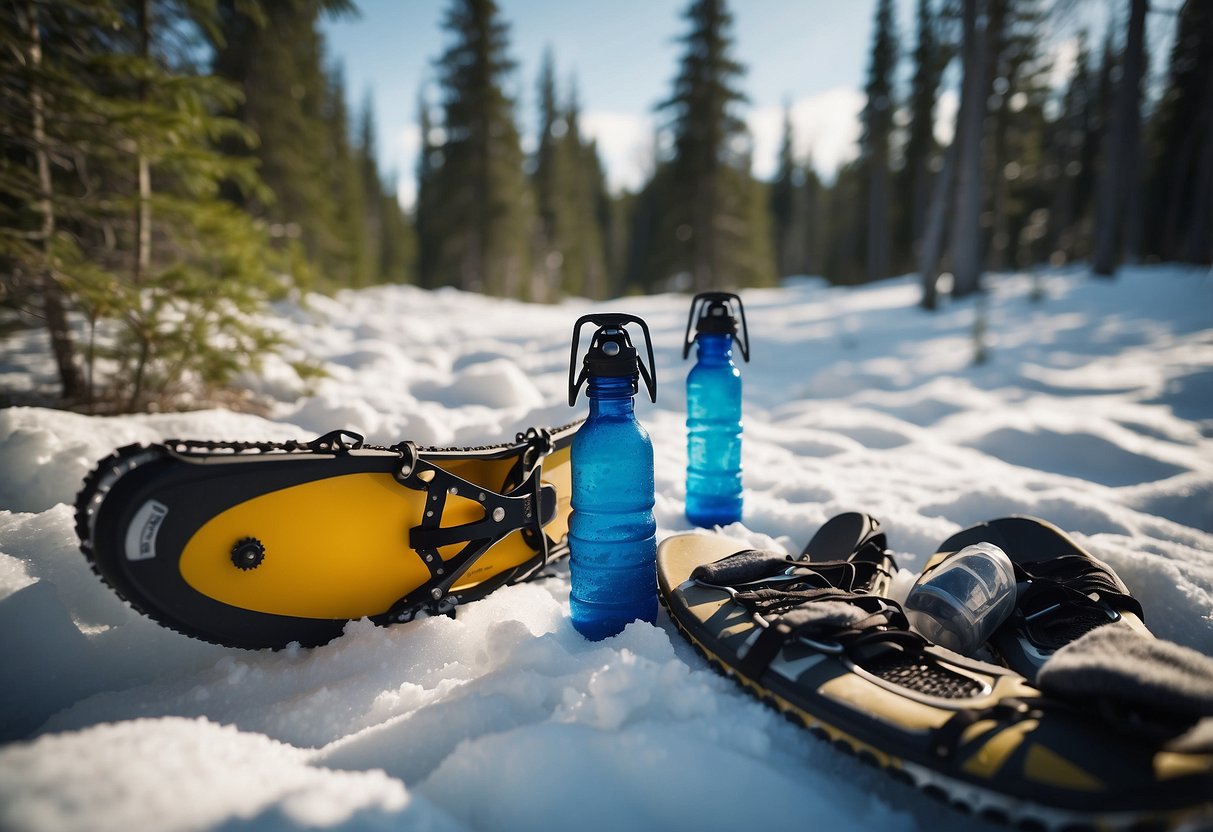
<point>625,144</point>
<point>402,153</point>
<point>826,127</point>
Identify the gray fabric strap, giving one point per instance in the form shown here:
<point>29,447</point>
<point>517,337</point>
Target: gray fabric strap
<point>823,615</point>
<point>742,567</point>
<point>1120,664</point>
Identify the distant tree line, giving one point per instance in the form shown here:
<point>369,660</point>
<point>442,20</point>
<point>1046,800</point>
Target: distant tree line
<point>168,167</point>
<point>1090,171</point>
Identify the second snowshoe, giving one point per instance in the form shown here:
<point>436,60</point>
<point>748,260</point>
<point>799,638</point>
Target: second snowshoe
<point>813,637</point>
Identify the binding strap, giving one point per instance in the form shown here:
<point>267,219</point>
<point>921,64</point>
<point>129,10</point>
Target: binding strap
<point>814,603</point>
<point>1061,598</point>
<point>525,507</point>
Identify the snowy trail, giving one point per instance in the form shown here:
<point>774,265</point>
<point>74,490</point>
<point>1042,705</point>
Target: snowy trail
<point>1095,412</point>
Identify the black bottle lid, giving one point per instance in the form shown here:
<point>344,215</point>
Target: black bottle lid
<point>611,354</point>
<point>713,313</point>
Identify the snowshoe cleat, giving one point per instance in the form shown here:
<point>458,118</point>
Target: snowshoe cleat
<point>260,545</point>
<point>1063,592</point>
<point>815,639</point>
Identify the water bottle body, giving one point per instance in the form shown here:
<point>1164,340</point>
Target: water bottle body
<point>612,532</point>
<point>714,495</point>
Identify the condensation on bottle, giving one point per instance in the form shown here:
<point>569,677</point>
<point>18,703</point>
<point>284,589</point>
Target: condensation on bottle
<point>714,425</point>
<point>612,531</point>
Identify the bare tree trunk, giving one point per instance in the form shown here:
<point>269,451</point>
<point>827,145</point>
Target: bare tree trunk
<point>966,232</point>
<point>1001,239</point>
<point>53,302</point>
<point>1061,216</point>
<point>919,197</point>
<point>1122,146</point>
<point>143,211</point>
<point>933,230</point>
<point>703,234</point>
<point>1198,242</point>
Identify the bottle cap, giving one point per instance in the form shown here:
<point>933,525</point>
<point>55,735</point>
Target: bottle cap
<point>611,354</point>
<point>712,313</point>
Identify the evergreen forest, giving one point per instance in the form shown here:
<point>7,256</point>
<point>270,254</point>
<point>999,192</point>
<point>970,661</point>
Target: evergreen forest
<point>171,168</point>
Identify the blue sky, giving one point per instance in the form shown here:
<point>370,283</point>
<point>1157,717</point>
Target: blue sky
<point>624,54</point>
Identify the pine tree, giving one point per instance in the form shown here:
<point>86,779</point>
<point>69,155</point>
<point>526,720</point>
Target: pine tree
<point>353,261</point>
<point>874,143</point>
<point>1097,118</point>
<point>790,195</point>
<point>398,245</point>
<point>1122,147</point>
<point>570,195</point>
<point>585,259</point>
<point>425,212</point>
<point>392,239</point>
<point>45,54</point>
<point>374,220</point>
<point>1181,180</point>
<point>708,224</point>
<point>931,56</point>
<point>1069,204</point>
<point>483,212</point>
<point>552,182</point>
<point>152,254</point>
<point>814,196</point>
<point>1020,89</point>
<point>844,226</point>
<point>274,53</point>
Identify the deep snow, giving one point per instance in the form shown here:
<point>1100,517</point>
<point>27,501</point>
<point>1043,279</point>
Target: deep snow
<point>1095,411</point>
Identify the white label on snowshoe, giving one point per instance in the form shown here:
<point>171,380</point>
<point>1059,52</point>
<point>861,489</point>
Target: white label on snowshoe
<point>141,533</point>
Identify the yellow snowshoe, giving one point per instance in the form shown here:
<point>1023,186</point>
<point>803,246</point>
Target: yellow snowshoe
<point>263,544</point>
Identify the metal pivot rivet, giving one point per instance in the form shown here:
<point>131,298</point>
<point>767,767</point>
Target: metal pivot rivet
<point>441,571</point>
<point>429,558</point>
<point>429,514</point>
<point>483,496</point>
<point>406,470</point>
<point>452,490</point>
<point>435,593</point>
<point>499,514</point>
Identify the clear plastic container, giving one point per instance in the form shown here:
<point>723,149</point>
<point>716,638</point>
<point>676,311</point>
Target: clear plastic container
<point>961,604</point>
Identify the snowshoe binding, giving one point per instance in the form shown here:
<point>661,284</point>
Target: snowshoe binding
<point>815,638</point>
<point>1064,592</point>
<point>260,545</point>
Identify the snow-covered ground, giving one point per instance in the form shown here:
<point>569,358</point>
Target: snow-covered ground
<point>1095,411</point>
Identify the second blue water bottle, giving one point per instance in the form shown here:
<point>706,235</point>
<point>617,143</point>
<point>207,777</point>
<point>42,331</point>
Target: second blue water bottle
<point>714,409</point>
<point>612,533</point>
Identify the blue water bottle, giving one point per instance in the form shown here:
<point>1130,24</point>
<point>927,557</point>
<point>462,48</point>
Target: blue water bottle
<point>612,533</point>
<point>714,409</point>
